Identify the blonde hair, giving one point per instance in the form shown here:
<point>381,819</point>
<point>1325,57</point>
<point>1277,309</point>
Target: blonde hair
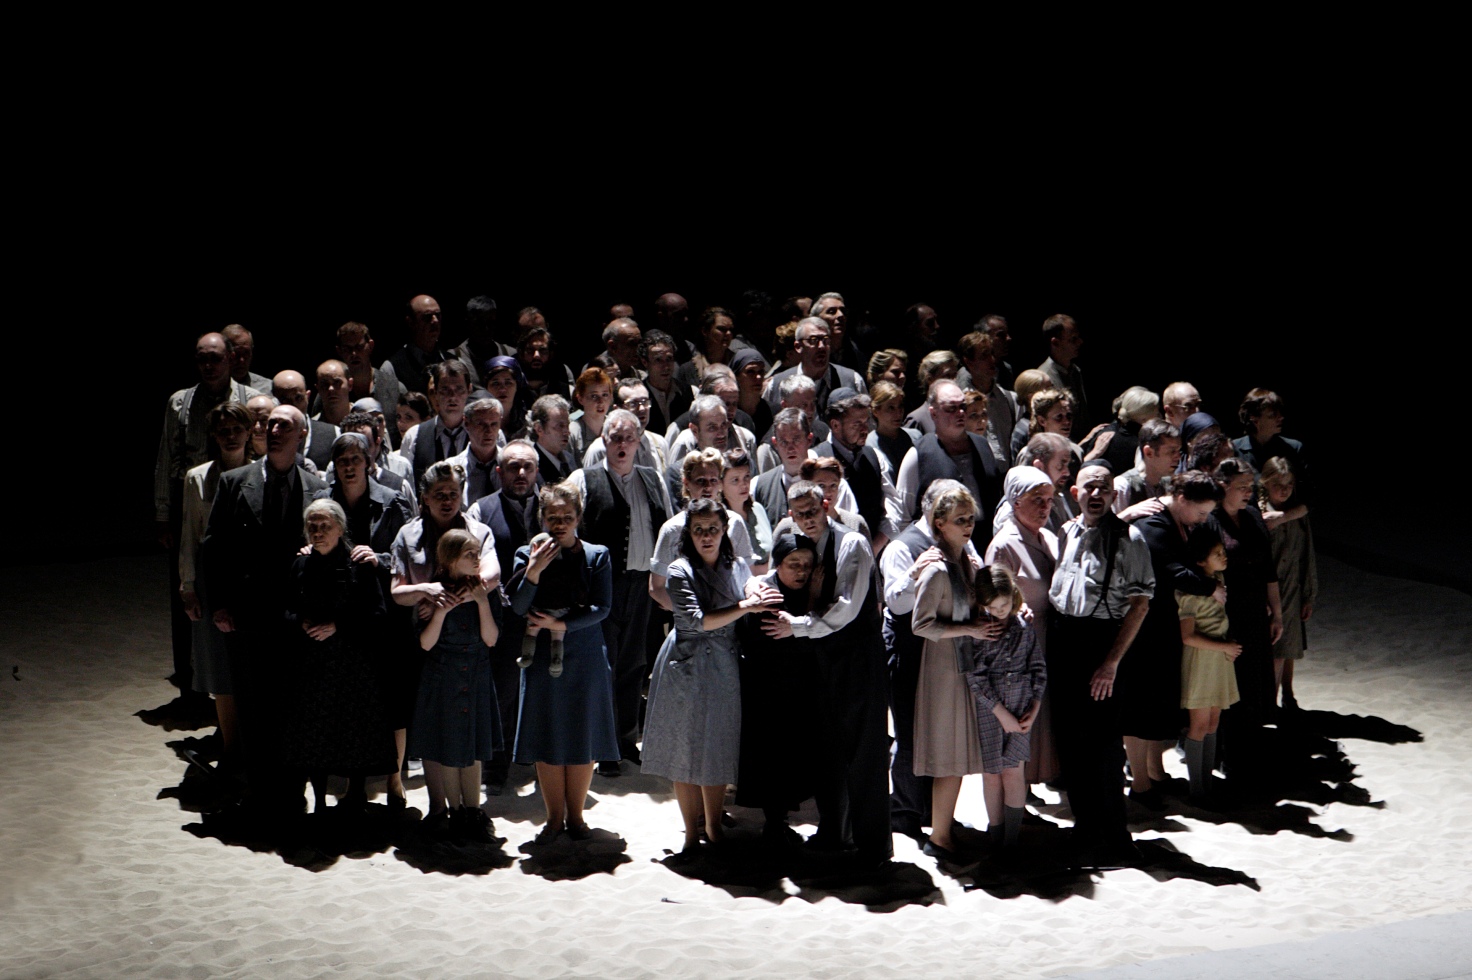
<point>881,393</point>
<point>948,502</point>
<point>1029,383</point>
<point>1275,471</point>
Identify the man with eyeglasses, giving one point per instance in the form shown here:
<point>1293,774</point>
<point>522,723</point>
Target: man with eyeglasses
<point>792,442</point>
<point>812,339</point>
<point>624,506</point>
<point>183,445</point>
<point>952,453</point>
<point>633,395</point>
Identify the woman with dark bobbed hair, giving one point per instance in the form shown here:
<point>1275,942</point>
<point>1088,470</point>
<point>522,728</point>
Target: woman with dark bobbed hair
<point>1149,680</point>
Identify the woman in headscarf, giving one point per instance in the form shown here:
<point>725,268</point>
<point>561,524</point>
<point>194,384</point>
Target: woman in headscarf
<point>692,729</point>
<point>506,384</point>
<point>779,741</point>
<point>751,377</point>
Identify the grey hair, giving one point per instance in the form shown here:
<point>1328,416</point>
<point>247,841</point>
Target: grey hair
<point>793,416</point>
<point>484,405</point>
<point>621,416</point>
<point>330,507</point>
<point>1041,448</point>
<point>808,323</point>
<point>795,382</point>
<point>706,403</point>
<point>543,408</point>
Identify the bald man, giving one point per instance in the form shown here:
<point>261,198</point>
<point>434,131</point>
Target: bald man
<point>183,445</point>
<point>1180,401</point>
<point>408,368</point>
<point>254,531</point>
<point>620,356</point>
<point>290,388</point>
<point>334,395</point>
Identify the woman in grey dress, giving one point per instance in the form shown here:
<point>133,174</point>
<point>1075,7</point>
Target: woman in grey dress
<point>692,730</point>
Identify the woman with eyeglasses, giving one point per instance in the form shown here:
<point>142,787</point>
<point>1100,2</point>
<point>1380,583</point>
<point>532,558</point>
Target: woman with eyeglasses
<point>947,617</point>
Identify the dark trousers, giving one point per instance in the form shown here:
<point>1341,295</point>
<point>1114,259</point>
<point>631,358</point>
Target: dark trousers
<point>1088,733</point>
<point>262,672</point>
<point>853,793</point>
<point>909,801</point>
<point>624,634</point>
<point>180,626</point>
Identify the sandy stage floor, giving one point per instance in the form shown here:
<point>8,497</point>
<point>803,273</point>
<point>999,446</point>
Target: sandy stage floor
<point>102,878</point>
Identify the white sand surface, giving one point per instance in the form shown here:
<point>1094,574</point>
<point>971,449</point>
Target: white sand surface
<point>98,878</point>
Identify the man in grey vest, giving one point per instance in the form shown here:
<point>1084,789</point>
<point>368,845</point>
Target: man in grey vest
<point>624,506</point>
<point>950,452</point>
<point>1100,594</point>
<point>408,368</point>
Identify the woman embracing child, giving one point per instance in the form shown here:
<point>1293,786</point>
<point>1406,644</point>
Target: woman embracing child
<point>456,725</point>
<point>1208,680</point>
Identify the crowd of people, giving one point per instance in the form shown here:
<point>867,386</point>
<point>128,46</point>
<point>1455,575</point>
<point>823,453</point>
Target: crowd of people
<point>738,549</point>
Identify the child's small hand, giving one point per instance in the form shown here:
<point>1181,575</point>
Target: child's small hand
<point>1233,651</point>
<point>1025,722</point>
<point>475,592</point>
<point>544,621</point>
<point>1220,594</point>
<point>1008,720</point>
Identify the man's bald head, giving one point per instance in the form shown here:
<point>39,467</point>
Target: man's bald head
<point>212,359</point>
<point>425,321</point>
<point>290,389</point>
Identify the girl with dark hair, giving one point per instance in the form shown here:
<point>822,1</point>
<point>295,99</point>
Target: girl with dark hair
<point>1208,682</point>
<point>692,730</point>
<point>779,736</point>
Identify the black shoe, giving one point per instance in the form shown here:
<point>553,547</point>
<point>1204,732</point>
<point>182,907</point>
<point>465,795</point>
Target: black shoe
<point>932,849</point>
<point>579,831</point>
<point>632,755</point>
<point>610,770</point>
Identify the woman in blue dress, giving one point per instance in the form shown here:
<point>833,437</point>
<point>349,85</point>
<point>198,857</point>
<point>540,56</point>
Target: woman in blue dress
<point>566,723</point>
<point>692,730</point>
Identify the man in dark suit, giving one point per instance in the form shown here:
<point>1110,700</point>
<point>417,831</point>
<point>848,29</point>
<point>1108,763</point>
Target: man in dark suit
<point>812,346</point>
<point>254,531</point>
<point>514,516</point>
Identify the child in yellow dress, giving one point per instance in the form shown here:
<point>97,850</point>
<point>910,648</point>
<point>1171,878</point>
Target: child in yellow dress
<point>1208,680</point>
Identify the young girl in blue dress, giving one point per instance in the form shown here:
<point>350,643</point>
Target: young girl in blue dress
<point>456,725</point>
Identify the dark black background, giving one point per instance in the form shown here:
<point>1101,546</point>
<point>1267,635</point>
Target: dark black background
<point>1301,265</point>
